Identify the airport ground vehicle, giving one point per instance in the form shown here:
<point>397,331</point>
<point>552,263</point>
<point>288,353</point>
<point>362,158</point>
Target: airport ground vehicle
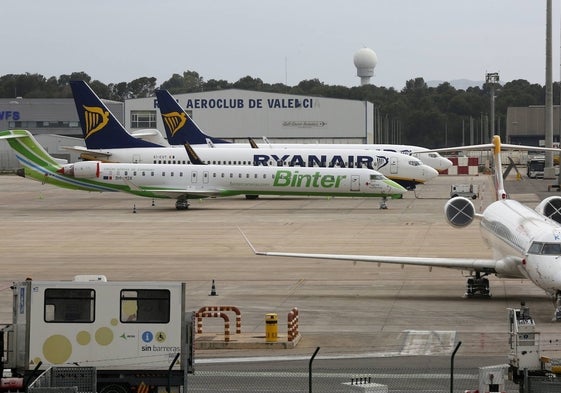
<point>535,166</point>
<point>135,334</point>
<point>464,190</point>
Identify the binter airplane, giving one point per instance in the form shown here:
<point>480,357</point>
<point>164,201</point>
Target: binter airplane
<point>526,243</point>
<point>183,182</point>
<point>180,129</point>
<point>107,140</point>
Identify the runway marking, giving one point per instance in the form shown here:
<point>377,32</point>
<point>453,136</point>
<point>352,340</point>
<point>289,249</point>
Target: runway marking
<point>428,342</point>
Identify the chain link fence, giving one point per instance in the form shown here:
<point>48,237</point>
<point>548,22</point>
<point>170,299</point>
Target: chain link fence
<point>341,380</point>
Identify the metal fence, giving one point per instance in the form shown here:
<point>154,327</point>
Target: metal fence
<point>341,380</point>
<point>65,380</point>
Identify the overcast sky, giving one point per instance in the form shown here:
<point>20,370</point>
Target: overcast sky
<point>279,41</point>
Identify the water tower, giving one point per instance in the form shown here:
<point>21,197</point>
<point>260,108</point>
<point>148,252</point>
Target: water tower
<point>365,60</point>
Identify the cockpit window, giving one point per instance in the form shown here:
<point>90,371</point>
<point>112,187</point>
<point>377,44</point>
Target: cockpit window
<point>433,155</point>
<point>545,248</point>
<point>551,249</point>
<point>376,177</point>
<point>414,163</point>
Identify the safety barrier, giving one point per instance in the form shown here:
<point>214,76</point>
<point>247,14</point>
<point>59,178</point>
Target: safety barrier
<point>208,314</point>
<point>220,309</point>
<point>220,312</point>
<point>293,324</point>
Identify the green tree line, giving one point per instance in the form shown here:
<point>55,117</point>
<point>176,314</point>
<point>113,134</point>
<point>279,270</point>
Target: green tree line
<point>417,115</point>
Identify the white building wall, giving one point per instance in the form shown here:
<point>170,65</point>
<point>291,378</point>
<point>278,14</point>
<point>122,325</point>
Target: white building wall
<point>238,114</point>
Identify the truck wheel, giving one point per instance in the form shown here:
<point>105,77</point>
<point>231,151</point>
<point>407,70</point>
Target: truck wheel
<point>114,388</point>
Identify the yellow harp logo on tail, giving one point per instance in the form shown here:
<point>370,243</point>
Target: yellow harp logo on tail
<point>174,121</point>
<point>96,118</point>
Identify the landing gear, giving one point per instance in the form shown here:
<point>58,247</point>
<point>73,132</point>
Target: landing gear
<point>557,316</point>
<point>383,204</point>
<point>251,197</point>
<point>182,204</point>
<point>477,286</point>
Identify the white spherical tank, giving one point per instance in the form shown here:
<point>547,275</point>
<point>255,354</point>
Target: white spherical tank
<point>365,60</point>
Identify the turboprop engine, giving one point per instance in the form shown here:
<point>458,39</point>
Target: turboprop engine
<point>84,170</point>
<point>551,208</point>
<point>459,212</point>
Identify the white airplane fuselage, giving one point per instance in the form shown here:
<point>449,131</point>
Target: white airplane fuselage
<point>432,159</point>
<point>525,243</point>
<point>398,167</point>
<point>225,180</point>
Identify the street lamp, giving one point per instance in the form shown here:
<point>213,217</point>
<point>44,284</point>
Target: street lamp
<point>492,79</point>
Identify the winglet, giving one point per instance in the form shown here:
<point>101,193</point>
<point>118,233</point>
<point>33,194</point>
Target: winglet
<point>252,143</point>
<point>193,156</point>
<point>251,245</point>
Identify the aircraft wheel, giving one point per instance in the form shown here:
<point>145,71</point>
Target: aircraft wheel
<point>182,204</point>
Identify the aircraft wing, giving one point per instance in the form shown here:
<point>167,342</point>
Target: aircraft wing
<point>93,155</point>
<point>173,193</point>
<point>480,265</point>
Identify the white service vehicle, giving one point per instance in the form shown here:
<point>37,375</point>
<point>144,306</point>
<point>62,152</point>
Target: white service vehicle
<point>134,333</point>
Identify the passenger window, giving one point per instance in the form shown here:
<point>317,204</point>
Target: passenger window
<point>145,306</point>
<point>69,305</point>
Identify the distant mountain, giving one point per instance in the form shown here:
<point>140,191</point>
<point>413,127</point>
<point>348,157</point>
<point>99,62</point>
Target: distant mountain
<point>460,84</point>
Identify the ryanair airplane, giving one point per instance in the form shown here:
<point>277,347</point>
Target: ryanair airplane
<point>180,129</point>
<point>107,140</point>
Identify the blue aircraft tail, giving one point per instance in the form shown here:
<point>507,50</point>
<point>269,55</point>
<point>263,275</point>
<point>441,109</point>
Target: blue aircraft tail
<point>100,128</point>
<point>180,128</point>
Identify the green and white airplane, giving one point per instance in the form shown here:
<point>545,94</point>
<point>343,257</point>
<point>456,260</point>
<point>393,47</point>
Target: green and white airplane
<point>183,181</point>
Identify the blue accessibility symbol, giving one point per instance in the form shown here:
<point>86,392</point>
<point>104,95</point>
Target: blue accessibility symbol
<point>147,336</point>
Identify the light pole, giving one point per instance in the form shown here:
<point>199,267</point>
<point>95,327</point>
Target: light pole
<point>492,79</point>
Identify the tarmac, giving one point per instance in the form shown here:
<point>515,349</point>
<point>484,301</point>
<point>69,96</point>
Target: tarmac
<point>345,308</point>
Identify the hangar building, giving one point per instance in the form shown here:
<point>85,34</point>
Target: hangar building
<point>235,115</point>
<point>526,125</point>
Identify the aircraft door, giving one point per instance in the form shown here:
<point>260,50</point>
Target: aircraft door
<point>205,177</point>
<point>393,165</point>
<point>355,182</point>
<point>193,177</point>
<point>136,158</point>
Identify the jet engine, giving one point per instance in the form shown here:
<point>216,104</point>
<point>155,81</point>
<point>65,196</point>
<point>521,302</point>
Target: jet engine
<point>84,170</point>
<point>551,208</point>
<point>459,212</point>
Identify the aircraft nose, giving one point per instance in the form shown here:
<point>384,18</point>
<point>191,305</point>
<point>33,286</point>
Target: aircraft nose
<point>395,188</point>
<point>429,172</point>
<point>446,163</point>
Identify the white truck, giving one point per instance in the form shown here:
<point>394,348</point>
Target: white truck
<point>137,335</point>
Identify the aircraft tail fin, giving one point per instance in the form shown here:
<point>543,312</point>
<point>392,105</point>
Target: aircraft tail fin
<point>29,152</point>
<point>180,128</point>
<point>498,179</point>
<point>101,130</point>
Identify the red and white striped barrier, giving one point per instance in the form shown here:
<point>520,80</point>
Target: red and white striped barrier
<point>208,314</point>
<point>221,309</point>
<point>293,324</point>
